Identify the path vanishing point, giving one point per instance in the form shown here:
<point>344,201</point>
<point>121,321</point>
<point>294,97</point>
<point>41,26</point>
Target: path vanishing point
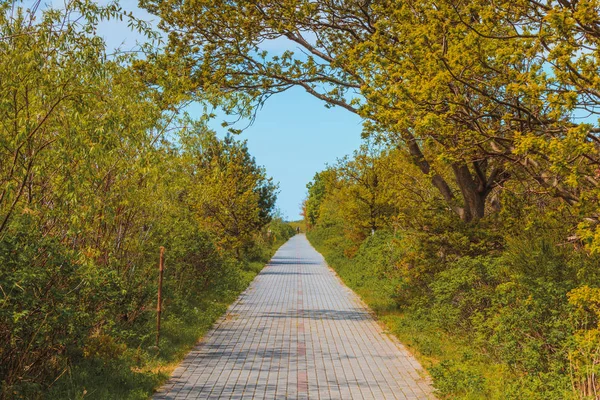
<point>297,333</point>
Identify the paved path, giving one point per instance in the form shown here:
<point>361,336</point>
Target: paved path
<point>297,333</point>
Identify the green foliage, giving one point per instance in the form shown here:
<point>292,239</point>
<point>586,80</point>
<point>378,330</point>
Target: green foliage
<point>584,353</point>
<point>457,380</point>
<point>486,323</point>
<point>91,185</point>
<point>477,93</point>
<point>230,192</point>
<point>463,291</point>
<point>316,192</point>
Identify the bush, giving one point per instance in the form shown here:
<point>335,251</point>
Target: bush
<point>464,291</point>
<point>515,321</point>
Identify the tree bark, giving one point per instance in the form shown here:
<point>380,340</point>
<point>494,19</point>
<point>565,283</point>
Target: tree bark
<point>474,193</point>
<point>474,188</point>
<point>438,182</point>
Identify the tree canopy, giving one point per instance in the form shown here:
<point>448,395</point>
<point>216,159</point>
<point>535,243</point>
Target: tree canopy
<point>476,92</point>
<point>98,169</point>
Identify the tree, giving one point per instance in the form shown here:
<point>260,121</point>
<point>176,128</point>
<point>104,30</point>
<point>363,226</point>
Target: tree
<point>230,192</point>
<point>316,192</point>
<point>461,86</point>
<point>77,143</point>
<point>361,180</point>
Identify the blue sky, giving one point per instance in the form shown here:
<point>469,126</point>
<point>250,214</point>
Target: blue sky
<point>294,135</point>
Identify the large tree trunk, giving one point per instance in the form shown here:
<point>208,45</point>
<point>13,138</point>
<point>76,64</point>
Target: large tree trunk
<point>438,182</point>
<point>474,193</point>
<point>474,186</point>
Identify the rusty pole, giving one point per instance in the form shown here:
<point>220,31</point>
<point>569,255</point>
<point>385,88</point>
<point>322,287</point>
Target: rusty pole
<point>161,267</point>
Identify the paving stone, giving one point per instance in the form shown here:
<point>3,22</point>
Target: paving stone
<point>297,333</point>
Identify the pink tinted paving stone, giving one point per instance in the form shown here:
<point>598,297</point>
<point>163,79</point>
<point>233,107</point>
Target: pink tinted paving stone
<point>297,333</point>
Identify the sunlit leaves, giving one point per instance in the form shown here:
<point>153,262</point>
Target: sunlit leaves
<point>96,174</point>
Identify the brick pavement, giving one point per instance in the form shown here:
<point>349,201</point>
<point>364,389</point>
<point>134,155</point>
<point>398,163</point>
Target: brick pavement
<point>297,333</point>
